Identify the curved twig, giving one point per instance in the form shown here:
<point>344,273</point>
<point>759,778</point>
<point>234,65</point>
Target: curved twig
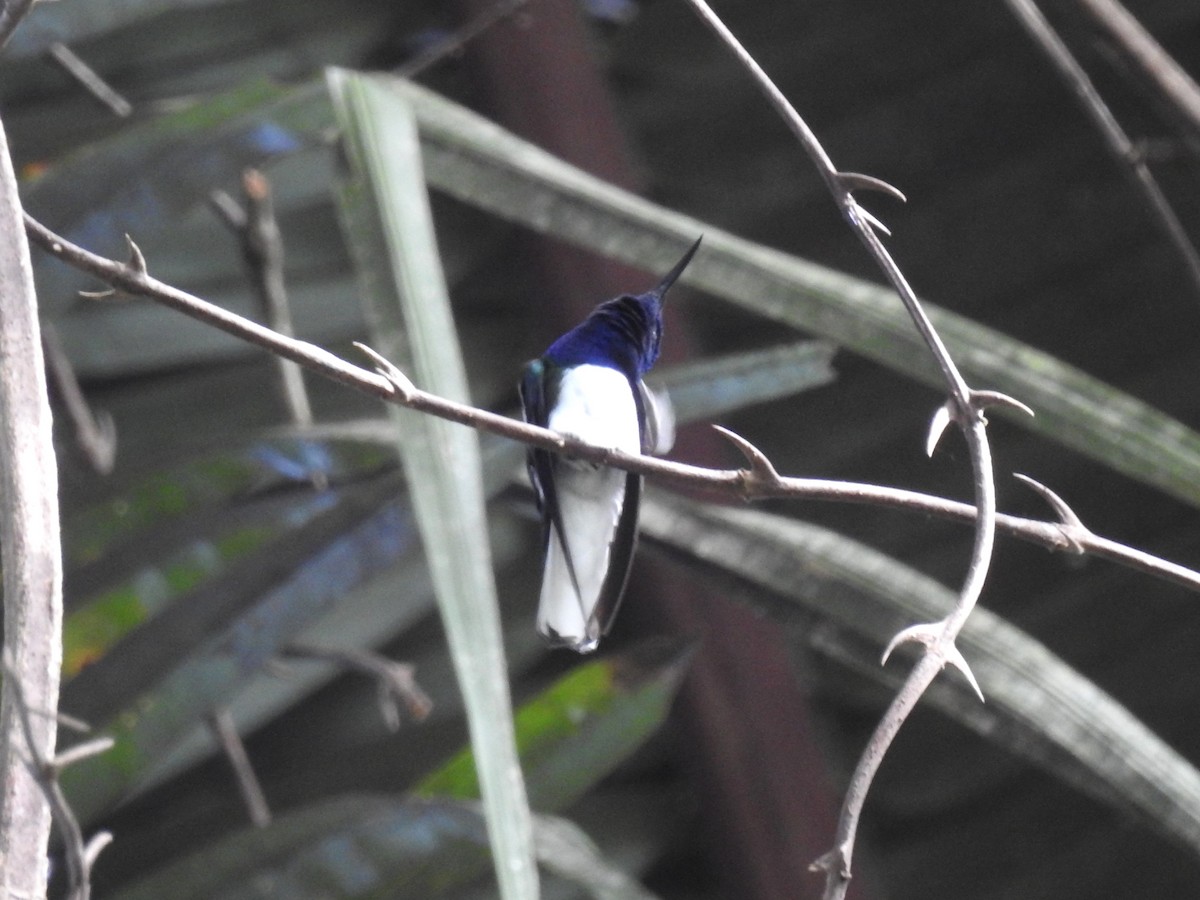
<point>78,855</point>
<point>731,483</point>
<point>1176,85</point>
<point>1118,142</point>
<point>11,14</point>
<point>32,550</point>
<point>90,80</point>
<point>966,409</point>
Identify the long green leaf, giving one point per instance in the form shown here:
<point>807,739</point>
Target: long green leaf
<point>389,226</point>
<point>210,669</point>
<point>1037,705</point>
<point>709,388</point>
<point>68,23</point>
<point>575,732</point>
<point>372,846</point>
<point>571,735</point>
<point>476,161</point>
<point>173,623</point>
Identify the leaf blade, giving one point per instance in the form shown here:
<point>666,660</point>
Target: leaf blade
<point>386,210</point>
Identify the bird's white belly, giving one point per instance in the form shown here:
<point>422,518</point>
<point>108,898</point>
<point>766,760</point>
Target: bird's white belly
<point>595,404</point>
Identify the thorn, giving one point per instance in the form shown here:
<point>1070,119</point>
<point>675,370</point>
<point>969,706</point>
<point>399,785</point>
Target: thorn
<point>228,210</point>
<point>400,382</point>
<point>855,181</point>
<point>870,219</point>
<point>137,262</point>
<point>100,444</point>
<point>925,635</point>
<point>937,427</point>
<point>955,658</point>
<point>81,751</point>
<point>1069,524</point>
<point>95,844</point>
<point>71,722</point>
<point>98,295</point>
<point>760,467</point>
<point>834,859</point>
<point>981,400</point>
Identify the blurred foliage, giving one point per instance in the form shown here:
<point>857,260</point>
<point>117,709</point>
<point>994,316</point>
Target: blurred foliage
<point>191,574</point>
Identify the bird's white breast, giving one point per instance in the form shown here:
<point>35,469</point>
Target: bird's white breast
<point>595,403</point>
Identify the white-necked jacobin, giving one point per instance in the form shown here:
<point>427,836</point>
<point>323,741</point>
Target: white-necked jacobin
<point>589,384</point>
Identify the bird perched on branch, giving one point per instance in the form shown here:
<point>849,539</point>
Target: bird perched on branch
<point>588,384</point>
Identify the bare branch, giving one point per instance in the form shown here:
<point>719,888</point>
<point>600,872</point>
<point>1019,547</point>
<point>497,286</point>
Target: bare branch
<point>225,733</point>
<point>78,856</point>
<point>261,243</point>
<point>95,432</point>
<point>1128,155</point>
<point>11,14</point>
<point>89,79</point>
<point>30,542</point>
<point>81,751</point>
<point>392,385</point>
<point>395,680</point>
<point>965,408</point>
<point>454,43</point>
<point>716,482</point>
<point>1149,55</point>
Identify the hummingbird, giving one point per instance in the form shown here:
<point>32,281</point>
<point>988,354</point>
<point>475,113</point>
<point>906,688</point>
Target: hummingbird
<point>588,384</point>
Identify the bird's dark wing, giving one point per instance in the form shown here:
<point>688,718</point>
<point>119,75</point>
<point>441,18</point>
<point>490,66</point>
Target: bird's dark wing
<point>538,391</point>
<point>656,420</point>
<point>620,560</point>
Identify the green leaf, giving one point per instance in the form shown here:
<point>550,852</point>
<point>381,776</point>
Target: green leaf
<point>708,388</point>
<point>571,735</point>
<point>481,164</point>
<point>372,846</point>
<point>478,162</point>
<point>575,732</point>
<point>1037,706</point>
<point>207,485</point>
<point>72,23</point>
<point>190,658</point>
<point>202,493</point>
<point>385,208</point>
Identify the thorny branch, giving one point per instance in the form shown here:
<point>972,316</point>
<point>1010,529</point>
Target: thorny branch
<point>758,481</point>
<point>261,243</point>
<point>224,731</point>
<point>455,42</point>
<point>90,80</point>
<point>95,431</point>
<point>754,483</point>
<point>1131,158</point>
<point>78,855</point>
<point>965,407</point>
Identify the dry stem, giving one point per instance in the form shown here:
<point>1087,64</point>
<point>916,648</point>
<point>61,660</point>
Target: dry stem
<point>32,570</point>
<point>965,407</point>
<point>743,484</point>
<point>1118,142</point>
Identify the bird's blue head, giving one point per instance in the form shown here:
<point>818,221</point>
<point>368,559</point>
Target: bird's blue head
<point>624,333</point>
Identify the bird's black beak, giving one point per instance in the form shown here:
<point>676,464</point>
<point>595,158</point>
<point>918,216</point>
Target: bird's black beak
<point>670,277</point>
